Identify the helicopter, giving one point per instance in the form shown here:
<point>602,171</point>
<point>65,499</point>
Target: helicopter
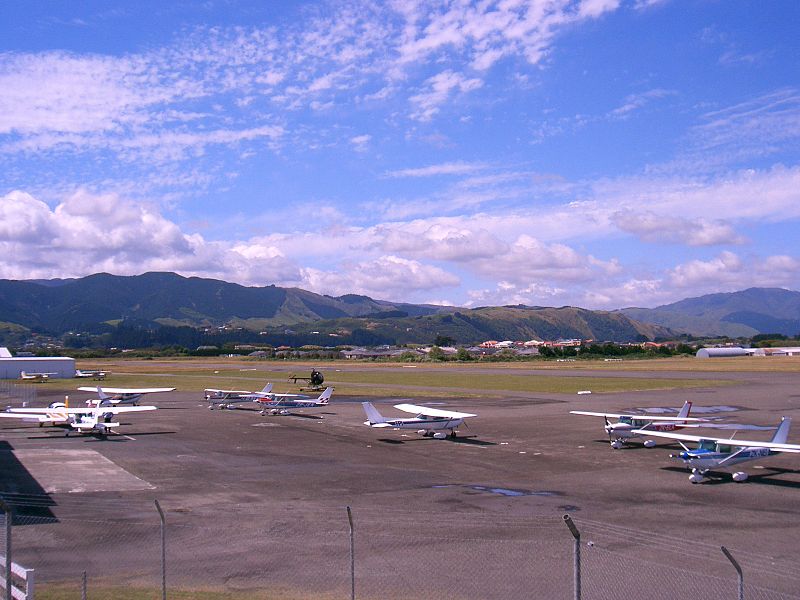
<point>315,380</point>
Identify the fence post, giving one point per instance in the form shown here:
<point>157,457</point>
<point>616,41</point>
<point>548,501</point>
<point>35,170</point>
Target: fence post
<point>352,556</point>
<point>83,586</point>
<point>9,516</point>
<point>163,551</point>
<point>576,569</point>
<point>739,575</point>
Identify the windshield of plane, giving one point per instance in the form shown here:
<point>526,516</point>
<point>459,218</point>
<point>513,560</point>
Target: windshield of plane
<point>707,445</point>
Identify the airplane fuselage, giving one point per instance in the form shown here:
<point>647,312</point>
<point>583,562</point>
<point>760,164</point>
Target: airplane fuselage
<point>624,429</point>
<point>429,423</point>
<point>704,460</point>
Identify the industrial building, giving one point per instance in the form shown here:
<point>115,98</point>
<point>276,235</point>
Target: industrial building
<point>11,367</point>
<point>737,351</point>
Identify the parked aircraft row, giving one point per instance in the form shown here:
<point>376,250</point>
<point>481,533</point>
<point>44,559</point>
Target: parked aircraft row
<point>270,402</point>
<point>710,453</point>
<point>95,418</point>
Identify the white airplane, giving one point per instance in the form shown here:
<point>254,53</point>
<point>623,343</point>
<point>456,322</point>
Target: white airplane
<point>715,453</point>
<point>99,375</point>
<point>36,377</point>
<point>631,426</point>
<point>280,404</point>
<point>227,398</point>
<point>113,396</point>
<point>83,420</point>
<point>429,422</point>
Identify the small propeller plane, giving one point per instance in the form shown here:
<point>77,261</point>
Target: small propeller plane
<point>98,375</point>
<point>715,453</point>
<point>35,377</point>
<point>227,398</point>
<point>281,404</point>
<point>631,426</point>
<point>121,395</point>
<point>429,422</point>
<point>83,420</point>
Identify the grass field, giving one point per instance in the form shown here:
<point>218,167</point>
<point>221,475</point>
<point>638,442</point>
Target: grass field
<point>373,379</point>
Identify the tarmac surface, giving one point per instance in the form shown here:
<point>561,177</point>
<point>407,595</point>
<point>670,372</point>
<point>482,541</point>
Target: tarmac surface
<point>244,492</point>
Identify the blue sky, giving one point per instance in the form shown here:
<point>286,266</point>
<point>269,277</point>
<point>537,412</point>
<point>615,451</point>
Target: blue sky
<point>597,153</point>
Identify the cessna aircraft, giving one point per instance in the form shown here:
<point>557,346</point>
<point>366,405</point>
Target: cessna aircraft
<point>99,375</point>
<point>36,377</point>
<point>121,395</point>
<point>279,404</point>
<point>429,422</point>
<point>714,453</point>
<point>630,426</point>
<point>227,398</point>
<point>83,420</point>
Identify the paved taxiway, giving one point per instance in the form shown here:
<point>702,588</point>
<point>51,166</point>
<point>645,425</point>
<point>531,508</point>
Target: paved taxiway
<point>523,460</point>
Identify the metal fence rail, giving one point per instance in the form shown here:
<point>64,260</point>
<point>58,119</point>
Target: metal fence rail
<point>358,553</point>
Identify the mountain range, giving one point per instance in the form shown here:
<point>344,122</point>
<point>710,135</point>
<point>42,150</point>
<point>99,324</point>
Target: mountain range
<point>735,314</point>
<point>100,303</point>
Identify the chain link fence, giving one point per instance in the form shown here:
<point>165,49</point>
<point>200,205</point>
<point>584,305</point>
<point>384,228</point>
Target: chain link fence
<point>291,553</point>
<point>15,394</point>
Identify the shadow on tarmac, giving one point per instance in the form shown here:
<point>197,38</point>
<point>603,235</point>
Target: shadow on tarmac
<point>764,478</point>
<point>22,491</point>
<point>471,440</point>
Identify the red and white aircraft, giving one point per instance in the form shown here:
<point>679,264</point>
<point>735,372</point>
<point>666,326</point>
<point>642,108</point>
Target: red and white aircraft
<point>631,426</point>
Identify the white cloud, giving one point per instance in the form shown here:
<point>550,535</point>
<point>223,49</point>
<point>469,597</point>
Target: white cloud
<point>386,277</point>
<point>728,272</point>
<point>456,168</point>
<point>440,87</point>
<point>652,227</point>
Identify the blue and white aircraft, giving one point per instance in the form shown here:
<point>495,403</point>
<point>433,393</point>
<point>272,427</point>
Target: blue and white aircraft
<point>715,453</point>
<point>429,422</point>
<point>281,404</point>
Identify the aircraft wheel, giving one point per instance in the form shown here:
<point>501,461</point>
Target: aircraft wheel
<point>616,444</point>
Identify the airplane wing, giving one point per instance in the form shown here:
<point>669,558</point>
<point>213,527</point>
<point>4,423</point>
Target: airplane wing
<point>631,416</point>
<point>32,417</point>
<point>45,411</point>
<point>432,412</point>
<point>108,390</point>
<point>685,437</point>
<point>115,410</point>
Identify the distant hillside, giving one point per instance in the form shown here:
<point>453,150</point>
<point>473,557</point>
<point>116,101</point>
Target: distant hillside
<point>497,323</point>
<point>92,303</point>
<point>99,303</point>
<point>736,314</point>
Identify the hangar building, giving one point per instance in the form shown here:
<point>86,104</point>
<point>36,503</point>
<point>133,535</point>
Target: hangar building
<point>12,366</point>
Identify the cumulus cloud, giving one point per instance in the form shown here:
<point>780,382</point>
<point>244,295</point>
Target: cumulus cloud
<point>728,271</point>
<point>88,233</point>
<point>652,227</point>
<point>386,277</point>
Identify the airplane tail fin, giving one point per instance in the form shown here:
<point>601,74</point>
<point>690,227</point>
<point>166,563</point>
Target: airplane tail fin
<point>325,396</point>
<point>267,389</point>
<point>687,406</point>
<point>373,416</point>
<point>782,433</point>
